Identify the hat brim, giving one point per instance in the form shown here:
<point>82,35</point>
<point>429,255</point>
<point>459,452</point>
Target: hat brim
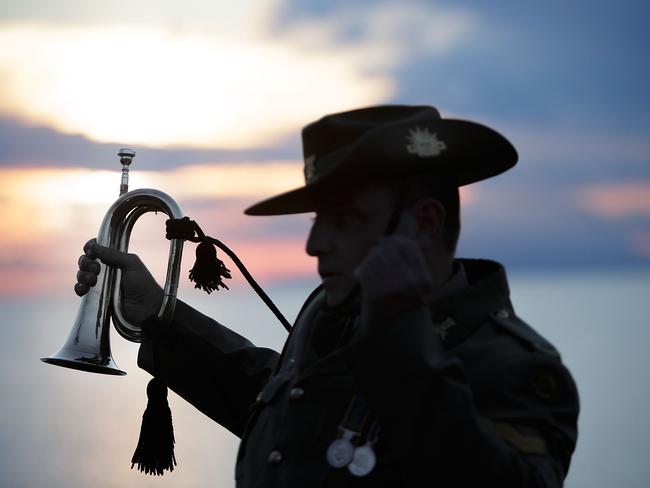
<point>474,153</point>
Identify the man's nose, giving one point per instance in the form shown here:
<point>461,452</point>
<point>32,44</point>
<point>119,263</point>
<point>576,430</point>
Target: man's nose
<point>317,243</point>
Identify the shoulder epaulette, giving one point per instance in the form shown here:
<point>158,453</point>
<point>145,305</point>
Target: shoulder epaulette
<point>520,329</point>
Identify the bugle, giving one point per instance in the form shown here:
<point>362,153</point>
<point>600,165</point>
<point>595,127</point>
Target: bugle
<point>88,345</point>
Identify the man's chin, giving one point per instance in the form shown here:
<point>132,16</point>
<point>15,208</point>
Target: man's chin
<point>336,295</point>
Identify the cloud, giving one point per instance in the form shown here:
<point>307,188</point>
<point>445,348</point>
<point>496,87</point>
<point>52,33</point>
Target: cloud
<point>568,143</point>
<point>26,145</point>
<point>560,156</point>
<point>382,36</point>
<point>616,200</point>
<point>215,81</point>
<point>528,225</point>
<point>153,85</point>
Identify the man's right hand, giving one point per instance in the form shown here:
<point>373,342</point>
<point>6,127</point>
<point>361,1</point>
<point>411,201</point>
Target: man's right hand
<point>141,295</point>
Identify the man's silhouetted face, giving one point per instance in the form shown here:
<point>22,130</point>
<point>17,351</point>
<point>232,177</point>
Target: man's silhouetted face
<point>345,228</point>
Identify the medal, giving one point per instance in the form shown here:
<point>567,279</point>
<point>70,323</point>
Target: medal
<point>363,461</point>
<point>340,453</point>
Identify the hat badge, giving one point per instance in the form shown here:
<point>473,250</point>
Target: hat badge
<point>310,167</point>
<point>423,143</point>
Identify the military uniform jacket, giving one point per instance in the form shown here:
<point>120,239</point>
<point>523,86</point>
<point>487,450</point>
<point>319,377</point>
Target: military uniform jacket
<point>464,392</point>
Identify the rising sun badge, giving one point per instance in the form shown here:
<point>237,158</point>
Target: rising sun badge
<point>423,143</point>
<point>310,167</point>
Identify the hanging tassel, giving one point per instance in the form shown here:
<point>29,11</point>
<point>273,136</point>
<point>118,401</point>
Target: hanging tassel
<point>155,451</point>
<point>208,271</point>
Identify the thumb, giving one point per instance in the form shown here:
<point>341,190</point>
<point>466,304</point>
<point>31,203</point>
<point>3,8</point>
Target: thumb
<point>113,257</point>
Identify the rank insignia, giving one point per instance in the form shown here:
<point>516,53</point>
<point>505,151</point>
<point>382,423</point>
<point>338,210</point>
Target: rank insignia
<point>423,143</point>
<point>310,167</point>
<point>526,440</point>
<point>444,326</point>
<point>545,385</point>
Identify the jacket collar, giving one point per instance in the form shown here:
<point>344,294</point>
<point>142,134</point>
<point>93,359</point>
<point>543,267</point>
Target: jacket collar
<point>458,315</point>
<point>477,288</point>
<point>455,284</point>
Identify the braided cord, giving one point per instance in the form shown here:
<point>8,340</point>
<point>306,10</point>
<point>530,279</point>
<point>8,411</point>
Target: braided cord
<point>185,229</point>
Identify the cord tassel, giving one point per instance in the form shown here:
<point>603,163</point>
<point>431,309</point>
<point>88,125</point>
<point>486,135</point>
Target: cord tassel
<point>208,271</point>
<point>155,451</point>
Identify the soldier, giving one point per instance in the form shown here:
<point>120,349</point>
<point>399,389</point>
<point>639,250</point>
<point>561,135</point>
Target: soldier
<point>407,366</point>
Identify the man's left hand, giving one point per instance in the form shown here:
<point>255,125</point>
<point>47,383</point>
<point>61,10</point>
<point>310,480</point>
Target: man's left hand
<point>394,277</point>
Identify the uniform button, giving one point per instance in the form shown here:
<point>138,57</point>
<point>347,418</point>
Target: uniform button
<point>503,314</point>
<point>296,393</point>
<point>275,457</point>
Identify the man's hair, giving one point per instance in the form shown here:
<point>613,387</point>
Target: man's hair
<point>443,189</point>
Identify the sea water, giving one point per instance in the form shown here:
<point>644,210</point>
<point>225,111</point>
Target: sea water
<point>64,428</point>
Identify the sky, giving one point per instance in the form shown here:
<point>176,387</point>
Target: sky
<point>212,95</point>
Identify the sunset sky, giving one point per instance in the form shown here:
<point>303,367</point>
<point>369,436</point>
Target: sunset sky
<point>212,95</point>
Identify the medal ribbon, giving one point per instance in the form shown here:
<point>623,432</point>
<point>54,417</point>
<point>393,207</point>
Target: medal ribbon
<point>356,415</point>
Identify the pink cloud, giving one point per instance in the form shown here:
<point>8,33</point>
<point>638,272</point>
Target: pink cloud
<point>616,200</point>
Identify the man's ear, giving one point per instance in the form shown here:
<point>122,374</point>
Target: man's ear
<point>430,216</point>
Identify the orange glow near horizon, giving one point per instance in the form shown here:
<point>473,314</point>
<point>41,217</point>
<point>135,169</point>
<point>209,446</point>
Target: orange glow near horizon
<point>46,215</point>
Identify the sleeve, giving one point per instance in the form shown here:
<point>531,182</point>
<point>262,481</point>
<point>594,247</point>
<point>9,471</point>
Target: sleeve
<point>213,368</point>
<point>421,395</point>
